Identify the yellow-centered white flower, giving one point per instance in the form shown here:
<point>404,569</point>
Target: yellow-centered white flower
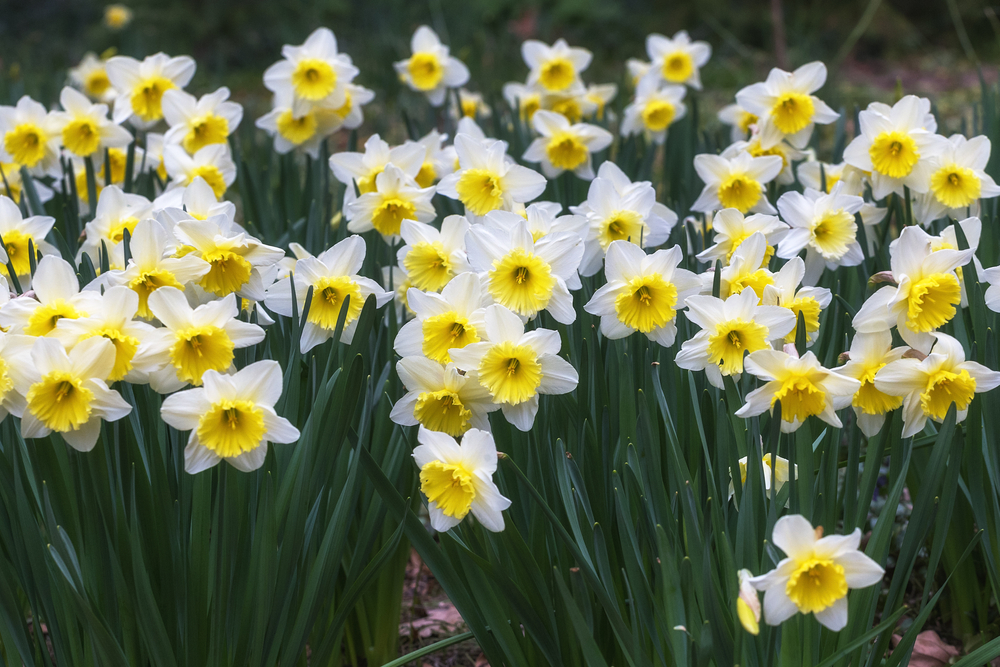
<point>451,319</point>
<point>677,59</point>
<point>141,85</point>
<point>431,69</point>
<point>439,160</point>
<point>555,68</point>
<point>306,132</point>
<point>561,146</point>
<point>30,136</point>
<point>314,73</point>
<point>785,106</point>
<point>729,329</point>
<point>868,354</point>
<point>56,296</point>
<point>816,575</point>
<point>732,228</point>
<point>747,269</point>
<point>433,257</point>
<point>213,163</point>
<point>653,110</point>
<point>91,77</point>
<point>824,226</point>
<point>198,122</point>
<point>117,212</point>
<point>515,367</point>
<point>810,301</point>
<point>643,292</point>
<point>930,386</point>
<point>362,169</point>
<point>739,120</point>
<point>458,478</point>
<point>396,198</point>
<point>439,398</point>
<point>15,371</point>
<point>770,466</point>
<point>737,182</point>
<point>748,603</point>
<point>959,179</point>
<point>84,127</point>
<point>20,233</point>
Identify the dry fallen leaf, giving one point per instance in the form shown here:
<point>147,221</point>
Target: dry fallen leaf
<point>930,650</point>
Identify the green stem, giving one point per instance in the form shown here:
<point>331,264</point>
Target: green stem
<point>427,650</point>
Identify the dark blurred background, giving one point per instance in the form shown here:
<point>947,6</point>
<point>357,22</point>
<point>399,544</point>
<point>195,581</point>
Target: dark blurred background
<point>873,47</point>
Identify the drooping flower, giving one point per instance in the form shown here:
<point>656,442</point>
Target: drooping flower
<point>770,466</point>
<point>785,106</point>
<point>736,182</point>
<point>565,147</point>
<point>748,603</point>
<point>230,418</point>
<point>458,478</point>
<point>816,575</point>
<point>141,85</point>
<point>430,69</point>
<point>439,398</point>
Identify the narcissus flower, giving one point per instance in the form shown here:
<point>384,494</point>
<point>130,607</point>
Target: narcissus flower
<point>804,388</point>
<point>192,340</point>
<point>747,269</point>
<point>30,137</point>
<point>748,604</point>
<point>736,182</point>
<point>470,105</point>
<point>314,73</point>
<point>515,367</point>
<point>897,145</point>
<point>824,226</point>
<point>15,371</point>
<point>14,185</point>
<point>930,386</point>
<point>117,212</point>
<point>729,329</point>
<point>18,233</point>
<point>526,99</point>
<point>213,163</point>
<point>733,228</point>
<point>868,354</point>
<point>430,69</point>
<point>601,94</point>
<point>653,110</point>
<point>677,60</point>
<point>458,478</point>
<point>739,120</point>
<point>57,296</point>
<point>452,319</point>
<point>816,575</point>
<point>959,178</point>
<point>439,398</point>
<point>771,466</point>
<point>555,68</point>
<point>785,105</point>
<point>141,85</point>
<point>198,122</point>
<point>925,294</point>
<point>433,257</point>
<point>487,180</point>
<point>563,147</point>
<point>643,292</point>
<point>361,169</point>
<point>85,127</point>
<point>396,198</point>
<point>91,77</point>
<point>573,103</point>
<point>333,276</point>
<point>196,201</point>
<point>522,275</point>
<point>231,418</point>
<point>784,291</point>
<point>439,160</point>
<point>66,393</point>
<point>305,132</point>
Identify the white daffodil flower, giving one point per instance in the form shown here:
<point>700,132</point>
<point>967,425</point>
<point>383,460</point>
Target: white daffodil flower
<point>930,386</point>
<point>959,179</point>
<point>361,169</point>
<point>57,296</point>
<point>524,98</point>
<point>816,575</point>
<point>732,228</point>
<point>785,106</point>
<point>486,180</point>
<point>747,269</point>
<point>653,110</point>
<point>515,367</point>
<point>574,103</point>
<point>729,329</point>
<point>18,233</point>
<point>432,257</point>
<point>16,370</point>
<point>897,146</point>
<point>66,393</point>
<point>452,319</point>
<point>333,276</point>
<point>643,292</point>
<point>812,173</point>
<point>117,212</point>
<point>439,398</point>
<point>430,69</point>
<point>564,147</point>
<point>141,85</point>
<point>199,122</point>
<point>213,163</point>
<point>601,94</point>
<point>868,354</point>
<point>305,132</point>
<point>396,198</point>
<point>458,478</point>
<point>788,153</point>
<point>810,301</point>
<point>770,466</point>
<point>677,59</point>
<point>230,418</point>
<point>314,72</point>
<point>737,182</point>
<point>30,136</point>
<point>739,120</point>
<point>85,127</point>
<point>196,200</point>
<point>439,160</point>
<point>12,184</point>
<point>91,77</point>
<point>824,226</point>
<point>555,68</point>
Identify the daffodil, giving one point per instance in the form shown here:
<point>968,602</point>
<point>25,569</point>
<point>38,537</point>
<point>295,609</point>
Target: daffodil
<point>153,162</point>
<point>959,179</point>
<point>305,132</point>
<point>396,197</point>
<point>748,603</point>
<point>637,69</point>
<point>925,294</point>
<point>433,257</point>
<point>351,112</point>
<point>784,291</point>
<point>522,275</point>
<point>544,218</point>
<point>788,153</point>
<point>930,386</point>
<point>16,369</point>
<point>232,254</point>
<point>91,77</point>
<point>555,68</point>
<point>785,106</point>
<point>362,169</point>
<point>141,85</point>
<point>153,265</point>
<point>573,103</point>
<point>729,329</point>
<point>117,212</point>
<point>524,98</point>
<point>439,398</point>
<point>619,210</point>
<point>430,69</point>
<point>654,109</point>
<point>677,59</point>
<point>213,163</point>
<point>66,393</point>
<point>30,136</point>
<point>196,200</point>
<point>643,292</point>
<point>396,282</point>
<point>738,182</point>
<point>56,295</point>
<point>458,478</point>
<point>601,94</point>
<point>868,354</point>
<point>824,226</point>
<point>747,269</point>
<point>802,385</point>
<point>85,127</point>
<point>333,277</point>
<point>992,295</point>
<point>20,233</point>
<point>199,122</point>
<point>192,340</point>
<point>816,575</point>
<point>515,367</point>
<point>812,173</point>
<point>12,184</point>
<point>770,466</point>
<point>972,228</point>
<point>451,319</point>
<point>897,145</point>
<point>563,147</point>
<point>471,105</point>
<point>314,73</point>
<point>733,228</point>
<point>740,121</point>
<point>486,180</point>
<point>439,160</point>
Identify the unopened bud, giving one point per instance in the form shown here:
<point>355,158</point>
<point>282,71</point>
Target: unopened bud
<point>914,354</point>
<point>882,277</point>
<point>748,604</point>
